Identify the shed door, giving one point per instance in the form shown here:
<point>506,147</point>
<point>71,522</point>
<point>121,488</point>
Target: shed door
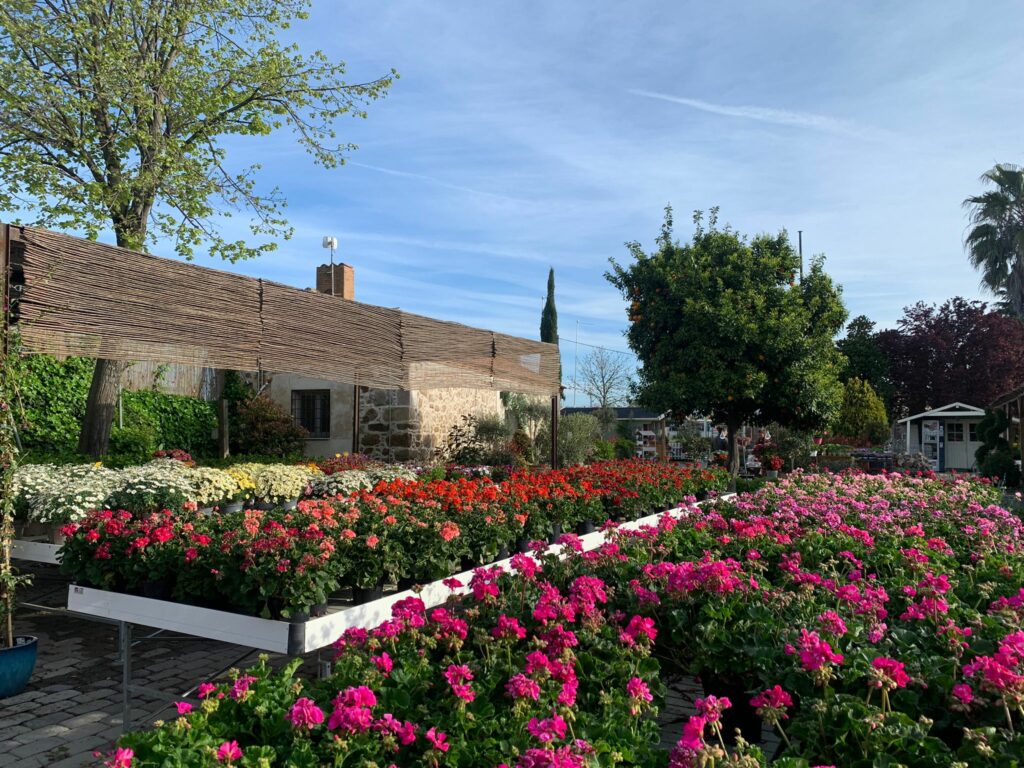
<point>957,456</point>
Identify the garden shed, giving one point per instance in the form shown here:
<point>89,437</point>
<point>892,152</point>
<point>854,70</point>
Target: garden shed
<point>947,436</point>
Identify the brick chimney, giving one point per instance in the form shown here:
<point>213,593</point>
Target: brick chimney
<point>344,280</point>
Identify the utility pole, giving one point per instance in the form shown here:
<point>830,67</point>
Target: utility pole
<point>800,247</point>
<point>575,360</point>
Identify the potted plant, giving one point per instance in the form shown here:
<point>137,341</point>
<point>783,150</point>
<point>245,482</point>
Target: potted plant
<point>17,652</point>
<point>773,463</point>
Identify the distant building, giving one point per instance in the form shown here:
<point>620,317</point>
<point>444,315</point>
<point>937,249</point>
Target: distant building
<point>947,436</point>
<point>645,427</point>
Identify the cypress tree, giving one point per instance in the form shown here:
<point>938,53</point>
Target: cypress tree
<point>549,317</point>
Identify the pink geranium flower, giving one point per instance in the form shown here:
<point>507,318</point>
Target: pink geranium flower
<point>888,673</point>
<point>548,729</point>
<point>122,758</point>
<point>305,714</point>
<point>228,752</point>
<point>438,740</point>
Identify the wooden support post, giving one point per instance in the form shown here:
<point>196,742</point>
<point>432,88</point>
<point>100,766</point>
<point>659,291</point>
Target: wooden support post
<point>356,397</point>
<point>223,429</point>
<point>554,432</point>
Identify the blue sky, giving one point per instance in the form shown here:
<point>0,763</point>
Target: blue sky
<point>535,134</point>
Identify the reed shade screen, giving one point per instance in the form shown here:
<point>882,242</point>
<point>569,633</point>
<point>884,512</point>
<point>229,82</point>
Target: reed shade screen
<point>94,300</point>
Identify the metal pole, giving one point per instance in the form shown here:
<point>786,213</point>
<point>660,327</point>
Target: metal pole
<point>554,432</point>
<point>800,241</point>
<point>575,360</point>
<point>125,635</point>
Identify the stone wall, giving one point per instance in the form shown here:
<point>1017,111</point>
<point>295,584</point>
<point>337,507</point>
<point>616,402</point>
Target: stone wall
<point>410,426</point>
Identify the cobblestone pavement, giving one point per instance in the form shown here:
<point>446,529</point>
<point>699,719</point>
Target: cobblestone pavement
<point>73,704</point>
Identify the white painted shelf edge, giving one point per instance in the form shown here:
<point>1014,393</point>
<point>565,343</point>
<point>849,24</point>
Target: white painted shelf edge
<point>281,636</point>
<point>35,551</point>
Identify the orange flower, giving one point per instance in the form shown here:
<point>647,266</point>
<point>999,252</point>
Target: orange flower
<point>449,531</point>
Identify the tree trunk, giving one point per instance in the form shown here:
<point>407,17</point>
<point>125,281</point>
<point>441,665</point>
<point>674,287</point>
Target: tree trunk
<point>734,452</point>
<point>94,439</point>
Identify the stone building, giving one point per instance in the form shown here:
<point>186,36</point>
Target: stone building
<point>394,425</point>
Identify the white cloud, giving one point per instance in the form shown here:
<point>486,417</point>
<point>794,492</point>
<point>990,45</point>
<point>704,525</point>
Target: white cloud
<point>770,115</point>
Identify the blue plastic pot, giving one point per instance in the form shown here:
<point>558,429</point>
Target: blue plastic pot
<point>16,665</point>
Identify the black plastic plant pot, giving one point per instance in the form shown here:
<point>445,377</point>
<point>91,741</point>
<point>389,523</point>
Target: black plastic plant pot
<point>587,526</point>
<point>363,595</point>
<point>502,553</point>
<point>741,715</point>
<point>157,589</point>
<point>556,533</point>
<point>17,664</point>
<point>523,545</point>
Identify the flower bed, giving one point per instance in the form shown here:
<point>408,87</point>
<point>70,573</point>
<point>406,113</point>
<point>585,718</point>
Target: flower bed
<point>871,620</point>
<point>282,563</point>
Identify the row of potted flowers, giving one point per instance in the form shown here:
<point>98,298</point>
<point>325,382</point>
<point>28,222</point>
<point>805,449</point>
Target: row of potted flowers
<point>57,494</point>
<point>286,563</point>
<point>870,621</point>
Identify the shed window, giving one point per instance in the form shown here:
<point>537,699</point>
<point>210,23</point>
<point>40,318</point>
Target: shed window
<point>955,431</point>
<point>972,432</point>
<point>311,409</point>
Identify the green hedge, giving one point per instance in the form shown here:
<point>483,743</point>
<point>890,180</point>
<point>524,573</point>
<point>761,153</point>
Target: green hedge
<point>55,391</point>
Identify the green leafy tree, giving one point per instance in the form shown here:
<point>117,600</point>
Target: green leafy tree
<point>721,328</point>
<point>865,358</point>
<point>113,116</point>
<point>995,456</point>
<point>862,416</point>
<point>995,242</point>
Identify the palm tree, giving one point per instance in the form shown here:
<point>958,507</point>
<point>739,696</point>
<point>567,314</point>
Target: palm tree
<point>995,243</point>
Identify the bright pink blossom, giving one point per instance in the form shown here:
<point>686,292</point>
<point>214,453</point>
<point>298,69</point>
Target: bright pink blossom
<point>229,751</point>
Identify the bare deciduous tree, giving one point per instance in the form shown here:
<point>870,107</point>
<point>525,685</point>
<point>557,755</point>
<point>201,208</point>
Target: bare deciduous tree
<point>604,377</point>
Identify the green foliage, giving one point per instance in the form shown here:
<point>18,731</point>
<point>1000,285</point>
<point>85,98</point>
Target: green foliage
<point>794,445</point>
<point>180,422</point>
<point>862,416</point>
<point>54,393</point>
<point>625,448</point>
<point>865,358</point>
<point>690,440</point>
<point>604,450</point>
<point>264,427</point>
<point>995,457</point>
<point>549,318</point>
<point>104,125</point>
<point>12,416</point>
<point>995,243</point>
<point>549,315</point>
<point>132,444</point>
<point>578,437</point>
<point>721,328</point>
